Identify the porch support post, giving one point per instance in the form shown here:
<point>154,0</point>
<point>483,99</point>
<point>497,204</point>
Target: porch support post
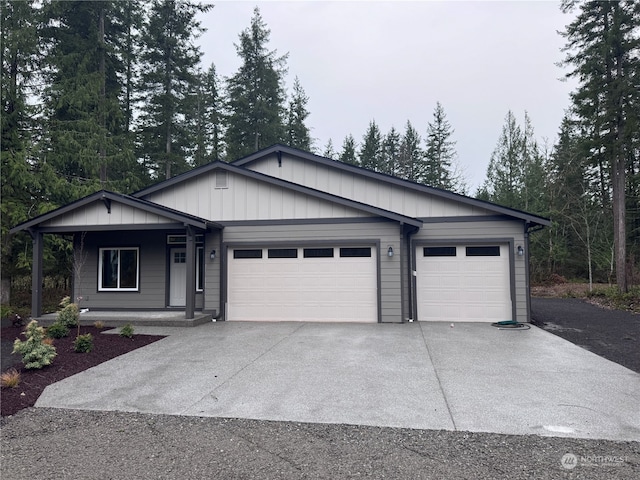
<point>36,273</point>
<point>191,274</point>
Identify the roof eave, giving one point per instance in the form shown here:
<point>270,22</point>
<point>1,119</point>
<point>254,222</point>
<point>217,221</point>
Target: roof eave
<point>124,199</point>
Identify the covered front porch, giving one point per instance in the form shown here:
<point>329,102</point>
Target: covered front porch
<point>155,318</point>
<point>128,266</point>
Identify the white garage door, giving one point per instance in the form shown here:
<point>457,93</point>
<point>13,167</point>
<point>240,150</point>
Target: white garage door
<point>323,284</point>
<point>463,283</point>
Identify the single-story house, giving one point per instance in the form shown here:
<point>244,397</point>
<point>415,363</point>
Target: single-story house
<point>286,235</point>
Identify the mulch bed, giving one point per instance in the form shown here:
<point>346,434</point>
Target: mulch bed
<point>66,363</point>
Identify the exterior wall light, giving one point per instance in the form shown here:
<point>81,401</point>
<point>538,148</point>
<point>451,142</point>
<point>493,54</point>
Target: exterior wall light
<point>390,252</point>
<point>212,255</point>
<point>520,250</point>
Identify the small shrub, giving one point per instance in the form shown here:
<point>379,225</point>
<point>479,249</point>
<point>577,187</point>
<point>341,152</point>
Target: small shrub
<point>69,315</point>
<point>83,343</point>
<point>98,324</point>
<point>48,341</point>
<point>127,331</point>
<point>10,378</point>
<point>64,302</point>
<point>57,330</point>
<point>35,353</point>
<point>5,311</point>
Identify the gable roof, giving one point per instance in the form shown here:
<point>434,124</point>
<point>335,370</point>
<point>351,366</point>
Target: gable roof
<point>108,197</point>
<point>280,183</point>
<point>278,149</point>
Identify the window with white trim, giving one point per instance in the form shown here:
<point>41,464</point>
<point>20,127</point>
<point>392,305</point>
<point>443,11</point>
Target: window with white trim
<point>118,269</point>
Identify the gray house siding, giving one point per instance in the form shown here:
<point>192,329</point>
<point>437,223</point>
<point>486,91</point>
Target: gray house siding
<point>384,234</point>
<point>153,272</point>
<point>212,273</point>
<point>97,214</point>
<point>372,191</point>
<point>245,199</point>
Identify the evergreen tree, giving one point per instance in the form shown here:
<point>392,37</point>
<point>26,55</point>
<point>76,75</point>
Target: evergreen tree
<point>370,154</point>
<point>504,183</point>
<point>602,48</point>
<point>85,142</point>
<point>169,84</point>
<point>19,191</point>
<point>576,244</point>
<point>298,134</point>
<point>517,172</point>
<point>391,152</point>
<point>256,94</point>
<point>348,153</point>
<point>129,19</point>
<point>207,119</point>
<point>411,165</point>
<point>440,154</point>
<point>329,151</point>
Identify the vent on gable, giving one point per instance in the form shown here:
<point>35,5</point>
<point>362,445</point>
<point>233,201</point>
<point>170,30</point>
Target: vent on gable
<point>221,179</point>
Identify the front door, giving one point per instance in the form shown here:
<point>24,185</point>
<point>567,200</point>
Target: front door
<point>178,277</point>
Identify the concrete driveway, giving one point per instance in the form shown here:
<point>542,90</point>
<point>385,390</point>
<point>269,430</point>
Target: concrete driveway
<point>471,377</point>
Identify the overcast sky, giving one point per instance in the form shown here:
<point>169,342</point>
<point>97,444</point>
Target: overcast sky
<point>392,61</point>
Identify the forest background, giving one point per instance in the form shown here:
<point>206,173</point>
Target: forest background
<point>113,95</point>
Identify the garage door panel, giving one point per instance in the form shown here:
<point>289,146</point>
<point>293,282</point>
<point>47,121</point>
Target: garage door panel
<point>463,288</point>
<point>303,289</point>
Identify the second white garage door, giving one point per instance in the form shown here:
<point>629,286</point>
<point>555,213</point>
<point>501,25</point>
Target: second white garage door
<point>463,283</point>
<point>324,284</point>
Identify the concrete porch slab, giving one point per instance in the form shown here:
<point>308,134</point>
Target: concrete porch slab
<point>155,318</point>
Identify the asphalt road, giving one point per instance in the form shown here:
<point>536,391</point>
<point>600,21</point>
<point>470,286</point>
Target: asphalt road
<point>612,334</point>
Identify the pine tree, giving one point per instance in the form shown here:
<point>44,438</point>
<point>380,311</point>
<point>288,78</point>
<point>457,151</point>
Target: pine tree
<point>298,134</point>
<point>504,183</point>
<point>348,153</point>
<point>329,151</point>
<point>440,154</point>
<point>169,84</point>
<point>86,143</point>
<point>370,154</point>
<point>602,48</point>
<point>19,195</point>
<point>207,119</point>
<point>411,165</point>
<point>256,95</point>
<point>576,244</point>
<point>391,152</point>
<point>129,20</point>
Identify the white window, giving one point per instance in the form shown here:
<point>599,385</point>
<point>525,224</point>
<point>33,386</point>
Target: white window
<point>118,269</point>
